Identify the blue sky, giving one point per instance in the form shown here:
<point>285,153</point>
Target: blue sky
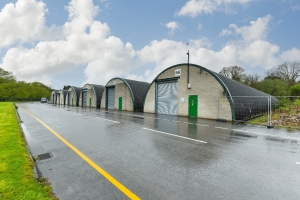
<point>84,41</point>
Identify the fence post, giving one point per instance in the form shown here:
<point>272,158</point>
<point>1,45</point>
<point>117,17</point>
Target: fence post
<point>270,113</point>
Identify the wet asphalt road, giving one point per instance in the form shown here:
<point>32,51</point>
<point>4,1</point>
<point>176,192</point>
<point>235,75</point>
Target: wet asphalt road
<point>161,157</point>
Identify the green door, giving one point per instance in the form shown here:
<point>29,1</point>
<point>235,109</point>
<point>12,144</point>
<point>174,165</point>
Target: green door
<point>72,102</point>
<point>90,102</point>
<point>120,103</point>
<point>193,105</point>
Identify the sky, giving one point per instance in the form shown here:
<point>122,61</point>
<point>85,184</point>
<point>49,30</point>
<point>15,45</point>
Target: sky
<point>76,42</point>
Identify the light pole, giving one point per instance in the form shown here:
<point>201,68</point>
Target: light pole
<point>188,69</point>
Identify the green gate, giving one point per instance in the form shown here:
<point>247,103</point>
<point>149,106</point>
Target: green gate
<point>120,103</point>
<point>193,105</point>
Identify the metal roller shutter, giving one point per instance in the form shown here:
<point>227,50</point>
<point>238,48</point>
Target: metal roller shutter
<point>111,98</point>
<point>84,98</point>
<point>167,93</point>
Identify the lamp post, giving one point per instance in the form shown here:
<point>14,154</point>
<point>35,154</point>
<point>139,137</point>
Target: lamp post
<point>188,69</point>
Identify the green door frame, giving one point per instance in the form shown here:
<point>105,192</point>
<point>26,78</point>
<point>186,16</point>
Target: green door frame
<point>120,103</point>
<point>193,105</point>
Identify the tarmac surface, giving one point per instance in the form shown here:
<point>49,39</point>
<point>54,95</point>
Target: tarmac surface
<point>159,156</point>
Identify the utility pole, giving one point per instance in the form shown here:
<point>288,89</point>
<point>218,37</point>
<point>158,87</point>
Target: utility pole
<point>188,69</point>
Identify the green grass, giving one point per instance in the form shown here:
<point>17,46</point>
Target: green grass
<point>16,167</point>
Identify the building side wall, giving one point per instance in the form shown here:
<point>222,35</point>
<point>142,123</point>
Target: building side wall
<point>72,94</point>
<point>212,103</point>
<point>149,105</point>
<point>103,99</point>
<point>52,100</point>
<point>59,98</point>
<point>121,90</point>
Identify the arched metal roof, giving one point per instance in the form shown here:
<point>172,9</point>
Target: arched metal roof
<point>138,91</point>
<point>239,95</point>
<point>98,90</point>
<point>77,91</point>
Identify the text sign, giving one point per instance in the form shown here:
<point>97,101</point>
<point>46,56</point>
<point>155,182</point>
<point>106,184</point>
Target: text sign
<point>177,72</point>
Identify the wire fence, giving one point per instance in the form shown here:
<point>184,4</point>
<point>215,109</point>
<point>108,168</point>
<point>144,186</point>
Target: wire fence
<point>263,110</point>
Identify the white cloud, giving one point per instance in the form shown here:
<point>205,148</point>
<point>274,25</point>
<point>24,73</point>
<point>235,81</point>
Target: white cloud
<point>252,50</point>
<point>225,32</point>
<point>172,26</point>
<point>21,21</point>
<point>74,47</point>
<point>195,7</point>
<point>82,41</point>
<point>257,30</point>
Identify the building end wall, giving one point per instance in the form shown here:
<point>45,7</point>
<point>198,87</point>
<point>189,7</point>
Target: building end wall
<point>212,104</point>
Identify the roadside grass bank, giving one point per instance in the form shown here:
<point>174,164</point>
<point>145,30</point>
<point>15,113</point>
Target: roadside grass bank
<point>279,120</point>
<point>16,167</point>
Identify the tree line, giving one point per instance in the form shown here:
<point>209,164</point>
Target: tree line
<point>279,81</point>
<point>13,90</point>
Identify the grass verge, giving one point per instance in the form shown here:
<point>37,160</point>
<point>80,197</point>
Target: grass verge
<point>16,167</point>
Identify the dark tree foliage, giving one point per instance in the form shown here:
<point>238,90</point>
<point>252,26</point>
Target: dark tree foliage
<point>12,90</point>
<point>274,87</point>
<point>295,90</point>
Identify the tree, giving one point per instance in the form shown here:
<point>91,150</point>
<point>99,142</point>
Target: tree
<point>275,87</point>
<point>12,90</point>
<point>295,90</point>
<point>6,76</point>
<point>234,72</point>
<point>288,71</point>
<point>252,80</point>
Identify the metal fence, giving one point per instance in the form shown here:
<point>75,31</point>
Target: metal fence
<point>263,110</point>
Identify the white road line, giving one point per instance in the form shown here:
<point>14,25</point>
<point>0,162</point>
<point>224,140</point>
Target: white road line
<point>201,125</point>
<point>298,163</point>
<point>174,135</point>
<point>221,128</point>
<point>175,121</point>
<point>240,131</point>
<point>107,120</point>
<point>187,123</point>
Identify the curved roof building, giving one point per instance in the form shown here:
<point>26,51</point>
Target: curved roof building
<point>73,96</point>
<point>53,96</point>
<point>124,94</point>
<point>91,95</point>
<point>200,92</point>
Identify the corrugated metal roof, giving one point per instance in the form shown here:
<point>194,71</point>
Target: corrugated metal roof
<point>139,90</point>
<point>99,91</point>
<point>247,101</point>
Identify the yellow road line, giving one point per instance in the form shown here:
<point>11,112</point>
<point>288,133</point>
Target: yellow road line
<point>111,179</point>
